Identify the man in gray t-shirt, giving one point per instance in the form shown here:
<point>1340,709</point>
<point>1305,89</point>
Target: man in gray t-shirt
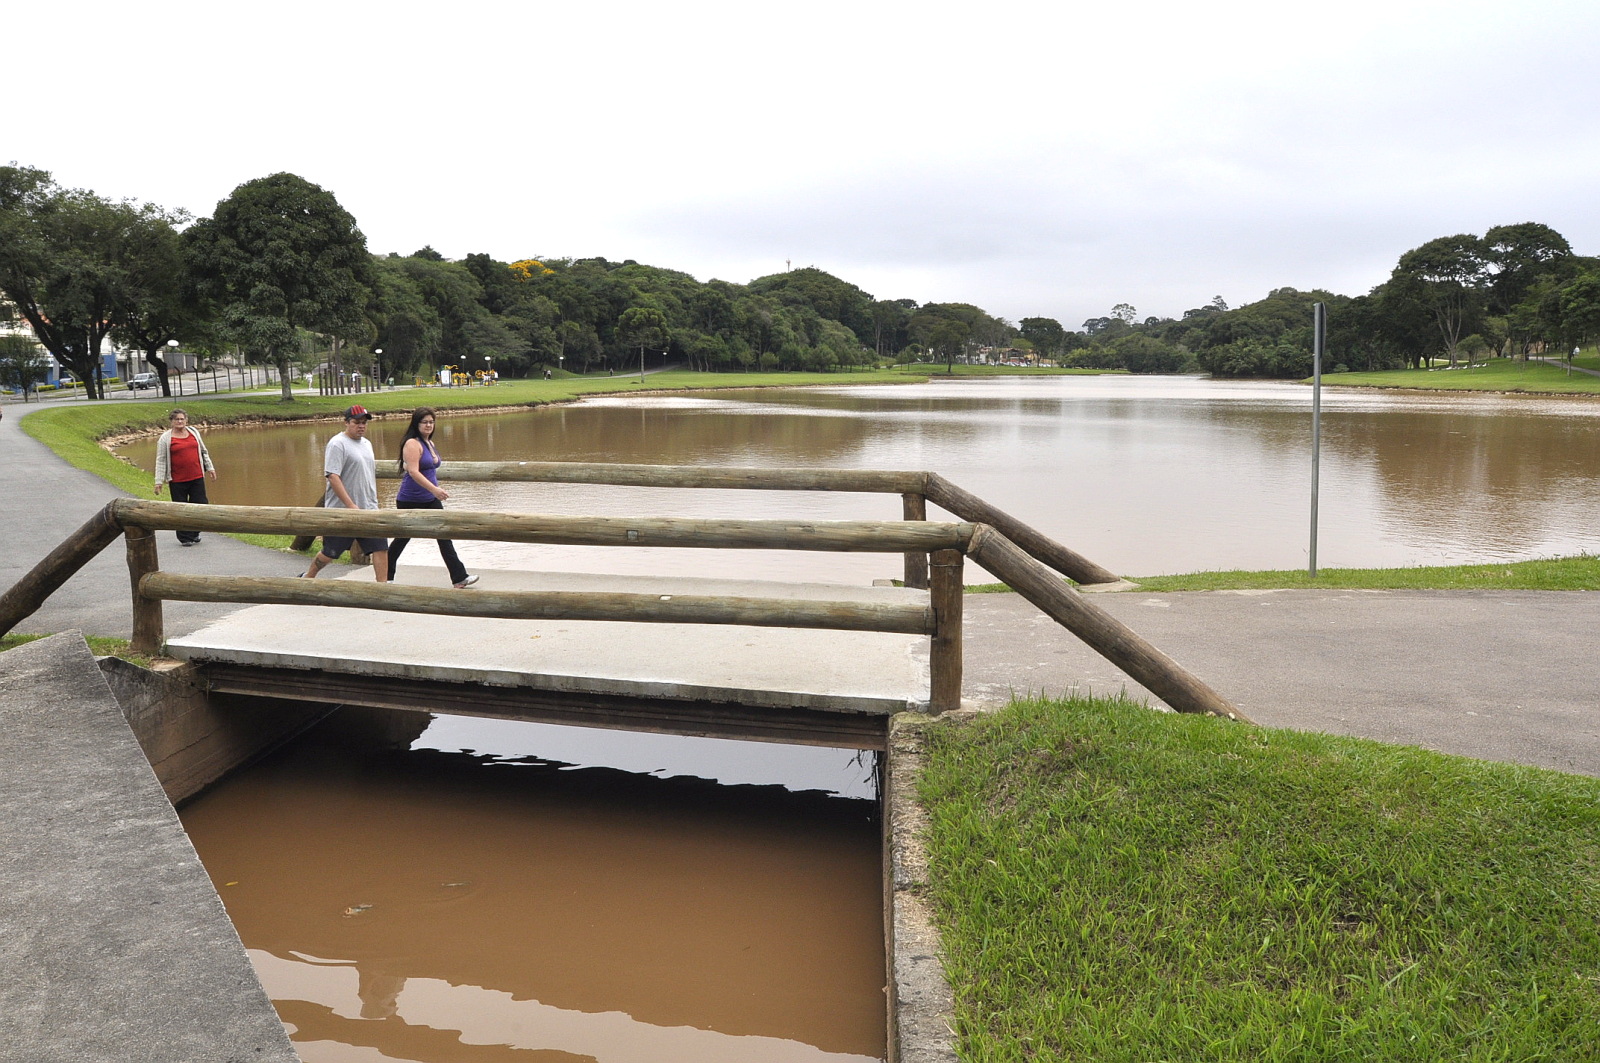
<point>352,475</point>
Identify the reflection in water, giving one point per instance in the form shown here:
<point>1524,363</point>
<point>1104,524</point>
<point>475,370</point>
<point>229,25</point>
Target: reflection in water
<point>413,903</point>
<point>1143,475</point>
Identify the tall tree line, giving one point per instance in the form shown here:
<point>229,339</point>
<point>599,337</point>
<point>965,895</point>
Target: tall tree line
<point>1515,291</point>
<point>280,265</point>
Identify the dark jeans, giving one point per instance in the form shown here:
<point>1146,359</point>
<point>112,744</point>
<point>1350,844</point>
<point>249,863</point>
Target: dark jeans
<point>189,491</point>
<point>447,549</point>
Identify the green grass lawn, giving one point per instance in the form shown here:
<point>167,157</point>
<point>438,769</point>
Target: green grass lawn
<point>1120,885</point>
<point>1558,574</point>
<point>1554,574</point>
<point>1500,374</point>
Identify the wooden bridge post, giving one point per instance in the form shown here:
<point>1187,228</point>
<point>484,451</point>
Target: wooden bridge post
<point>914,506</point>
<point>149,634</point>
<point>944,656</point>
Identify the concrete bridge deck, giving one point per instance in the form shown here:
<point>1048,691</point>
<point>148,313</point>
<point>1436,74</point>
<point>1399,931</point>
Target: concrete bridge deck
<point>811,686</point>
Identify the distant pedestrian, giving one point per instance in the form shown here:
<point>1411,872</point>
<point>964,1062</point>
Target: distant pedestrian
<point>183,462</point>
<point>419,489</point>
<point>352,475</point>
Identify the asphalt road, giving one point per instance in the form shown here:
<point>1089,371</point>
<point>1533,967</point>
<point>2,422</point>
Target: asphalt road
<point>1502,675</point>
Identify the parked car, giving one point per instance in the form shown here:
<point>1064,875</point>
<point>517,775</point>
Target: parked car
<point>140,381</point>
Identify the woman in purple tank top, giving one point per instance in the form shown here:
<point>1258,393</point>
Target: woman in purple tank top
<point>419,489</point>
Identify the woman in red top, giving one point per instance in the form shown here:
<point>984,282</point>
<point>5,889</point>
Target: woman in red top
<point>182,461</point>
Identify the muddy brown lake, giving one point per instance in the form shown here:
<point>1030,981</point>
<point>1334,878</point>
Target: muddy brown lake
<point>1142,475</point>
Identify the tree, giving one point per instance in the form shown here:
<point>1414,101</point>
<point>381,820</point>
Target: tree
<point>889,318</point>
<point>70,265</point>
<point>166,307</point>
<point>1580,310</point>
<point>1105,327</point>
<point>643,327</point>
<point>1045,333</point>
<point>1138,353</point>
<point>408,328</point>
<point>1447,276</point>
<point>949,335</point>
<point>22,363</point>
<point>822,292</point>
<point>1518,256</point>
<point>278,256</point>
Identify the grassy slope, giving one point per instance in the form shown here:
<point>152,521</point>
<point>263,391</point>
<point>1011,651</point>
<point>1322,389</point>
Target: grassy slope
<point>98,645</point>
<point>1559,574</point>
<point>1117,884</point>
<point>1500,374</point>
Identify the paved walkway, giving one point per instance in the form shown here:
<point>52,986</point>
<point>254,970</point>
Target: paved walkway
<point>1500,675</point>
<point>113,943</point>
<point>1561,363</point>
<point>45,500</point>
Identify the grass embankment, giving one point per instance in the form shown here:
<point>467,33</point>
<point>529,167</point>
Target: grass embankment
<point>1117,884</point>
<point>1498,374</point>
<point>1557,574</point>
<point>1554,574</point>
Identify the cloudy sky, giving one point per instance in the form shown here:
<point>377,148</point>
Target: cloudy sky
<point>1033,158</point>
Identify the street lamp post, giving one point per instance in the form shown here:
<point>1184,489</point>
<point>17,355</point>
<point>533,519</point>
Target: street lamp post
<point>172,352</point>
<point>486,367</point>
<point>377,353</point>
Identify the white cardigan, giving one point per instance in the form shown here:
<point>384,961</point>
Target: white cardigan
<point>164,456</point>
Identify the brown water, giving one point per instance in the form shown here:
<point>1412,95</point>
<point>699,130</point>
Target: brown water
<point>421,902</point>
<point>1143,475</point>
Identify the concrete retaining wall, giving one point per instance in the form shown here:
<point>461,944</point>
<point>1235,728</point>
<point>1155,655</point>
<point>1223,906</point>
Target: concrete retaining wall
<point>920,1002</point>
<point>193,738</point>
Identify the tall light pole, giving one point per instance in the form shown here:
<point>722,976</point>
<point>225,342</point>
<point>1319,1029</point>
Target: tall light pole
<point>377,354</point>
<point>486,367</point>
<point>1319,332</point>
<point>172,353</point>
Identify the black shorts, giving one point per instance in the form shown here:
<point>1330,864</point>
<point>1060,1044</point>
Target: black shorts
<point>334,545</point>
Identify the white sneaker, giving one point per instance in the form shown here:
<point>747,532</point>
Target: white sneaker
<point>469,581</point>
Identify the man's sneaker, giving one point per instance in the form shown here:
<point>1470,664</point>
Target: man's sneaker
<point>469,581</point>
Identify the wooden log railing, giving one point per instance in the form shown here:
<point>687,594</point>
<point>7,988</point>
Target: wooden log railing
<point>916,489</point>
<point>872,536</point>
<point>1111,638</point>
<point>58,566</point>
<point>940,619</point>
<point>948,544</point>
<point>547,605</point>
